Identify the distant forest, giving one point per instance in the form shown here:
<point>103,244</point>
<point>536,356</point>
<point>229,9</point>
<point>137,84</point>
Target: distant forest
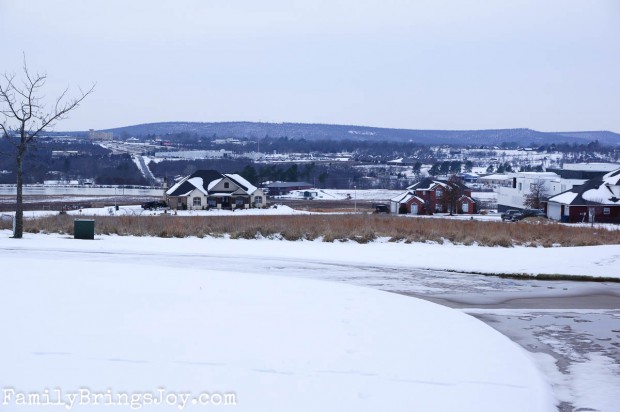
<point>368,167</point>
<point>91,162</point>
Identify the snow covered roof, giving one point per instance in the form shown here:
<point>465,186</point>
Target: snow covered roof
<point>213,184</point>
<point>406,197</point>
<point>198,183</point>
<point>196,180</point>
<point>603,190</point>
<point>430,184</point>
<point>206,180</point>
<point>400,197</point>
<point>248,187</point>
<point>565,197</point>
<point>599,167</point>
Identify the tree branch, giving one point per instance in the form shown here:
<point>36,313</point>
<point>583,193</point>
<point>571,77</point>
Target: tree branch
<point>59,112</point>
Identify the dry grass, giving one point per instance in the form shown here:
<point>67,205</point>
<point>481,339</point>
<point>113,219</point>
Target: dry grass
<point>359,228</point>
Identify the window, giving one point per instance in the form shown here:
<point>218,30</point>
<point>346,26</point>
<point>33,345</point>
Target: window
<point>438,193</point>
<point>197,201</point>
<point>211,202</point>
<point>239,202</point>
<point>226,185</point>
<point>606,211</point>
<point>520,186</point>
<point>258,200</point>
<point>465,207</point>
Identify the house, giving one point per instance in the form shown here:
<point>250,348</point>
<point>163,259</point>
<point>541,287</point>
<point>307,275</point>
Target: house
<point>283,188</point>
<point>584,171</point>
<point>512,194</point>
<point>433,195</point>
<point>468,177</point>
<point>205,189</point>
<point>493,181</point>
<point>597,200</point>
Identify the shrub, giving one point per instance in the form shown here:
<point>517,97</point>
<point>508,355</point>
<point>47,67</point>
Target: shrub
<point>361,228</point>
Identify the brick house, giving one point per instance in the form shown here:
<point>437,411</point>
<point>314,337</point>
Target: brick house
<point>434,196</point>
<point>597,200</point>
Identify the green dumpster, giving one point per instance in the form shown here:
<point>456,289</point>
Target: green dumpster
<point>83,229</point>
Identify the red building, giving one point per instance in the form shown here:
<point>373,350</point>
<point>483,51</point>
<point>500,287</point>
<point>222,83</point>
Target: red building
<point>435,196</point>
<point>597,200</point>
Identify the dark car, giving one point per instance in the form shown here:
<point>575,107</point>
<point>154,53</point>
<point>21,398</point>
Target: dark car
<point>382,208</point>
<point>510,214</point>
<point>529,213</point>
<point>156,204</point>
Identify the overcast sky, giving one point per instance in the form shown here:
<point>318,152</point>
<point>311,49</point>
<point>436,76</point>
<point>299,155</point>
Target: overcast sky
<point>438,64</point>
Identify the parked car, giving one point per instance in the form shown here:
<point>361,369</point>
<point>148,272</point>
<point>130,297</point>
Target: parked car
<point>510,214</point>
<point>529,213</point>
<point>381,208</point>
<point>155,204</point>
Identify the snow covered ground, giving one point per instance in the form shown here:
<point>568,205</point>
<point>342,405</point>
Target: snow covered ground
<point>191,316</point>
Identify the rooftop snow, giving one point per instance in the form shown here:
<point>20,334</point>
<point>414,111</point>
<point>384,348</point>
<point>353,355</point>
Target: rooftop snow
<point>565,198</point>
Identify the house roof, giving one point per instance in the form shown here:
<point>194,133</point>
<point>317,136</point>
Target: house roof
<point>205,181</point>
<point>242,183</point>
<point>430,184</point>
<point>468,198</point>
<point>603,190</point>
<point>406,197</point>
<point>425,184</point>
<point>196,180</point>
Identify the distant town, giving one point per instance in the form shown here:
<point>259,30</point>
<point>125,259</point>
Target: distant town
<point>503,171</point>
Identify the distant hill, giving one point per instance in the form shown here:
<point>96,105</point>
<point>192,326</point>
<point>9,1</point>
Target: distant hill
<point>252,130</point>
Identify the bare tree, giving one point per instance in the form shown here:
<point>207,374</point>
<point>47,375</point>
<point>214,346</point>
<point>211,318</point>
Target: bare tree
<point>452,192</point>
<point>538,194</point>
<point>24,116</point>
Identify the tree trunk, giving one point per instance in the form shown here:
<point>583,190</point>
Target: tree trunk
<point>19,204</point>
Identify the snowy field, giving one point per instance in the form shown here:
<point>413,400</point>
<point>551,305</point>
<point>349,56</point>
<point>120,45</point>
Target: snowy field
<point>175,320</point>
<point>383,195</point>
<point>596,261</point>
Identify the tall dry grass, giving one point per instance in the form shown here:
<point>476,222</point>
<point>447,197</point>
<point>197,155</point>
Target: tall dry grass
<point>360,228</point>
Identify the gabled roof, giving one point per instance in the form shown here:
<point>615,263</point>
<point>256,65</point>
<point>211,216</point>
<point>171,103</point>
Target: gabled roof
<point>248,187</point>
<point>603,190</point>
<point>430,184</point>
<point>200,180</point>
<point>206,180</point>
<point>426,184</point>
<point>468,198</point>
<point>406,197</point>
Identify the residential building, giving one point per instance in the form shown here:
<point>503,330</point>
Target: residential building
<point>434,196</point>
<point>206,189</point>
<point>283,188</point>
<point>513,192</point>
<point>597,200</point>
